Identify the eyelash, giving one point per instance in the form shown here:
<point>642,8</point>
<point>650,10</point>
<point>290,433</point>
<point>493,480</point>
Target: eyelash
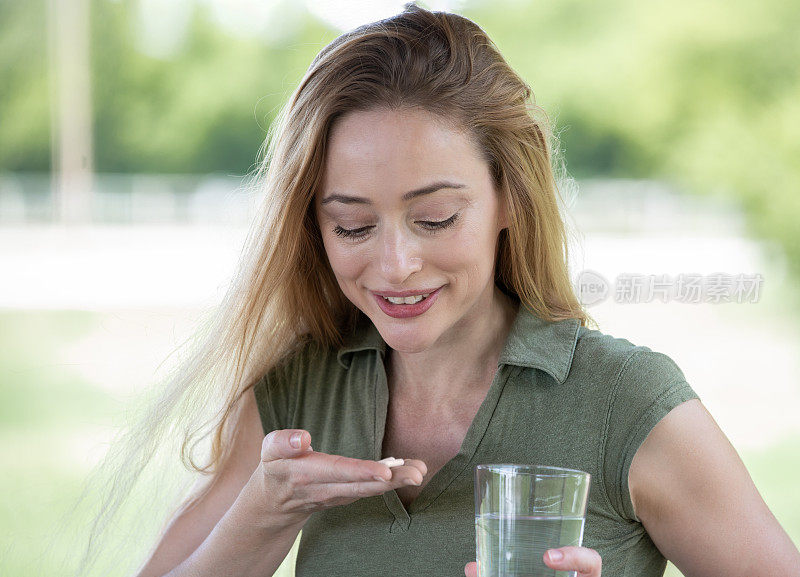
<point>434,227</point>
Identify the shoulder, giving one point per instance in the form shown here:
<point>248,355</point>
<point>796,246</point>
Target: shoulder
<point>583,358</point>
<point>618,361</point>
<point>603,350</point>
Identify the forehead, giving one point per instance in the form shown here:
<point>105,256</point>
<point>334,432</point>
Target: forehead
<point>389,152</point>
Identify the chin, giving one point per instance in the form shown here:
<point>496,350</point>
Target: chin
<point>407,348</point>
<point>406,339</point>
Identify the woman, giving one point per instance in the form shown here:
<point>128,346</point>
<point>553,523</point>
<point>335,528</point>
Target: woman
<point>406,294</point>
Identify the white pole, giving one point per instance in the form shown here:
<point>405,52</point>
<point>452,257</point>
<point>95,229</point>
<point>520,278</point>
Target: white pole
<point>72,121</point>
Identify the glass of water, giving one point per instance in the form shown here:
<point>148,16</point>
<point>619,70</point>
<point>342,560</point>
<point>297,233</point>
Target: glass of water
<point>521,511</point>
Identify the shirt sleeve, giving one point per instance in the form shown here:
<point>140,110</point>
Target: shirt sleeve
<point>648,387</point>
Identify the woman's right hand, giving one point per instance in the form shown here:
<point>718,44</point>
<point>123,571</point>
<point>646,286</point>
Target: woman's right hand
<point>298,481</point>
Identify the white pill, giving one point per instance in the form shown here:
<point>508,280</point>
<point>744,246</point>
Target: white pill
<point>392,462</point>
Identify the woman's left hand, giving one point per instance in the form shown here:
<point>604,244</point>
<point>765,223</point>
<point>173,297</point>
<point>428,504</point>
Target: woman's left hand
<point>586,562</point>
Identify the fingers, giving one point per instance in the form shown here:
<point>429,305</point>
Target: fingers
<point>285,444</point>
<point>325,468</point>
<point>315,477</point>
<point>418,465</point>
<point>412,469</point>
<point>291,443</point>
<point>348,489</point>
<point>348,492</point>
<point>586,562</point>
<point>337,469</point>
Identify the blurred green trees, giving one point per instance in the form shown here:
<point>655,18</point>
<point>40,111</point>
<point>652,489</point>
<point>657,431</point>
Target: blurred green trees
<point>705,94</point>
<point>205,109</point>
<point>24,89</point>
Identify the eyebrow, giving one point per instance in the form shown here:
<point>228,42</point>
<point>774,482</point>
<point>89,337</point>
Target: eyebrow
<point>436,186</point>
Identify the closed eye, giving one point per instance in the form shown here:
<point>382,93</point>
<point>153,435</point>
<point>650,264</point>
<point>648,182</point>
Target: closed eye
<point>429,225</point>
<point>351,233</point>
<point>439,225</point>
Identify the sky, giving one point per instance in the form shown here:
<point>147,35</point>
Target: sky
<point>161,24</point>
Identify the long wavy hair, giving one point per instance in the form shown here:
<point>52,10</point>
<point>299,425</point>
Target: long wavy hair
<point>285,291</point>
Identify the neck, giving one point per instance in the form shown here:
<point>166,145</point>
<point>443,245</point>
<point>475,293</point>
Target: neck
<point>461,365</point>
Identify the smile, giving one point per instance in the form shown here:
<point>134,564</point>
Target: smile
<point>406,300</point>
<point>406,306</point>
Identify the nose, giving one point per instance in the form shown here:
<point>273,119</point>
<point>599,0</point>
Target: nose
<point>399,257</point>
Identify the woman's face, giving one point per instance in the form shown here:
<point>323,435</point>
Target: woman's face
<point>408,205</point>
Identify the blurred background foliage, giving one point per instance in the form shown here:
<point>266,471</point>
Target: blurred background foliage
<point>704,94</point>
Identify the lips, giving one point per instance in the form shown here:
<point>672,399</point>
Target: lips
<point>404,311</point>
<point>408,293</point>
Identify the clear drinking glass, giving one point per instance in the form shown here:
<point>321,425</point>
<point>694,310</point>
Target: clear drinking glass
<point>521,511</point>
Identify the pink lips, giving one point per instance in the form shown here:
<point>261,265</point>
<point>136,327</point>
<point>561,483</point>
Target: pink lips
<point>406,311</point>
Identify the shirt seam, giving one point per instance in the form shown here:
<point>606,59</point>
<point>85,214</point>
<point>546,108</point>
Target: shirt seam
<point>604,437</point>
<point>570,356</point>
<point>375,377</point>
<point>674,389</point>
<point>262,401</point>
<point>292,406</point>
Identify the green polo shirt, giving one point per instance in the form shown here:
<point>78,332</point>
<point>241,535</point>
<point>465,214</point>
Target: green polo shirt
<point>563,395</point>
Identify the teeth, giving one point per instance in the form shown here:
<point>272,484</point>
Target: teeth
<point>406,300</point>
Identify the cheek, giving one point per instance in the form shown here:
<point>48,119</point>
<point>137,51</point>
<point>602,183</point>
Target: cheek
<point>346,262</point>
<point>471,257</point>
<point>472,248</point>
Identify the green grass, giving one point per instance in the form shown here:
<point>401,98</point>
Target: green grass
<point>46,409</point>
<point>775,472</point>
<point>50,417</point>
<point>38,391</point>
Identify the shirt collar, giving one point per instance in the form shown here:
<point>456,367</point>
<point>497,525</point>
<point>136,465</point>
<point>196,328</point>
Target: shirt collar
<point>364,337</point>
<point>533,342</point>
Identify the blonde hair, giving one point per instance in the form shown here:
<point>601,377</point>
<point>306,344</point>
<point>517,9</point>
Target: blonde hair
<point>285,291</point>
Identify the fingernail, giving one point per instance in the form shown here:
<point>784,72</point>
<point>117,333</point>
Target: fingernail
<point>379,478</point>
<point>555,555</point>
<point>296,440</point>
<point>412,482</point>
